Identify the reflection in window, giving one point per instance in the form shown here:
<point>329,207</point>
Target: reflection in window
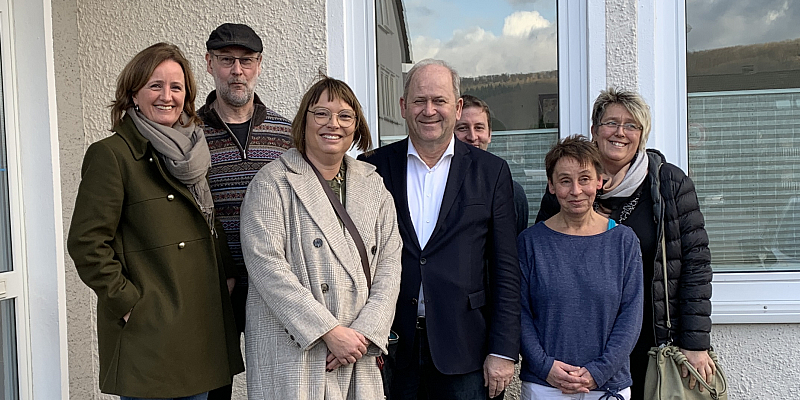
<point>5,208</point>
<point>9,382</point>
<point>506,54</point>
<point>744,130</point>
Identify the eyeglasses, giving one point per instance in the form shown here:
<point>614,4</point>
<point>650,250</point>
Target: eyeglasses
<point>245,62</point>
<point>613,126</point>
<point>322,116</point>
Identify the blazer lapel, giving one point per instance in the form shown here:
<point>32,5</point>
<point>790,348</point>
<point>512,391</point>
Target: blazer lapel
<point>309,191</point>
<point>459,165</point>
<point>397,171</point>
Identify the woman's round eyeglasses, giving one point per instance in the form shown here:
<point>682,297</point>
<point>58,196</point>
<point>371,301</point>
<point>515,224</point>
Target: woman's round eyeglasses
<point>322,116</point>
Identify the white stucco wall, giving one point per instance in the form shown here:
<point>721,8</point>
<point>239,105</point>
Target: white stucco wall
<point>94,39</point>
<point>762,361</point>
<point>621,65</point>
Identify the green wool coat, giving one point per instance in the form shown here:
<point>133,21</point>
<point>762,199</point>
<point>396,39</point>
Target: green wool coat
<point>140,241</point>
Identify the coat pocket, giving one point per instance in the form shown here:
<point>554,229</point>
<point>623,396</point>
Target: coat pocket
<point>477,299</point>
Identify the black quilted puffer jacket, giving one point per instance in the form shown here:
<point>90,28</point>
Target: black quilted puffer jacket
<point>688,257</point>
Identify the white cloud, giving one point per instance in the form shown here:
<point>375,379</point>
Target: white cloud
<point>729,23</point>
<point>528,44</point>
<point>775,14</point>
<point>522,23</point>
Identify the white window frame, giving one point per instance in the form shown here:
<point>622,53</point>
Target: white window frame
<point>35,185</point>
<point>738,298</point>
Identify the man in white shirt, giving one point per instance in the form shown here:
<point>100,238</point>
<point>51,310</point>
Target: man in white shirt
<point>458,310</point>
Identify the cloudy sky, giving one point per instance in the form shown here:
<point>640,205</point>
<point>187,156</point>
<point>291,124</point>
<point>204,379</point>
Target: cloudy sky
<point>723,23</point>
<point>518,36</point>
<point>485,37</point>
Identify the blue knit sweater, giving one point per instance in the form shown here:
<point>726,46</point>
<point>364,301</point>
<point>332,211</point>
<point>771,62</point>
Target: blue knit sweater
<point>581,303</point>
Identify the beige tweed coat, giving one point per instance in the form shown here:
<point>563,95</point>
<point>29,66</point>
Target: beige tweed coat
<point>306,277</point>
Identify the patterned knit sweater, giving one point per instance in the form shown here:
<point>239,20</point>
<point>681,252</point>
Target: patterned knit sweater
<point>233,165</point>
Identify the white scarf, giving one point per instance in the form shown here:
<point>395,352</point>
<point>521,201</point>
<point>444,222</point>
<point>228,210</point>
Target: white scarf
<point>626,185</point>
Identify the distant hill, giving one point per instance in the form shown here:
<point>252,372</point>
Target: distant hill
<point>518,101</point>
<point>774,65</point>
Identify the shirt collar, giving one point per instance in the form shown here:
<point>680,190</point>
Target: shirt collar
<point>449,152</point>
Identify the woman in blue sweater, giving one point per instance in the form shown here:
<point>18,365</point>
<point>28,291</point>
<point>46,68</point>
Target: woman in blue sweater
<point>581,288</point>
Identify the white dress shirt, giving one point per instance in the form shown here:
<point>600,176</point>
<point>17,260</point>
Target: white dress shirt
<point>424,191</point>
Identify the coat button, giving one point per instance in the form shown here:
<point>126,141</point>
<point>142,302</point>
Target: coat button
<point>423,261</point>
<point>298,344</point>
<point>286,330</point>
<point>324,288</point>
<point>317,242</point>
<point>171,197</point>
<point>181,245</point>
<point>291,337</point>
<point>414,302</point>
<point>374,250</point>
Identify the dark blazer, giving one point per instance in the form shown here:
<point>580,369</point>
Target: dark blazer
<point>469,267</point>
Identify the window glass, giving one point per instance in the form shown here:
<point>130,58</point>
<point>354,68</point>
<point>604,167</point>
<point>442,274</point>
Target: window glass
<point>5,210</point>
<point>743,82</point>
<point>506,53</point>
<point>9,382</point>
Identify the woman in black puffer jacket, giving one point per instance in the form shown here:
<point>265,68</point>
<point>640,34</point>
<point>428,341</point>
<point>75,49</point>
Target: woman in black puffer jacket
<point>643,191</point>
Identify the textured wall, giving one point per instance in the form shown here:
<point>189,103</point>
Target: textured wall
<point>761,361</point>
<point>621,66</point>
<point>93,39</point>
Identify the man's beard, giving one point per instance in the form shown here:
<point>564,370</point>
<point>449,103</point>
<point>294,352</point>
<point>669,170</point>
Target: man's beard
<point>238,99</point>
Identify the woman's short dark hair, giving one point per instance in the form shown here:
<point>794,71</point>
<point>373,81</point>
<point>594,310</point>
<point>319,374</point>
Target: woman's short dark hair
<point>576,147</point>
<point>139,70</point>
<point>336,90</point>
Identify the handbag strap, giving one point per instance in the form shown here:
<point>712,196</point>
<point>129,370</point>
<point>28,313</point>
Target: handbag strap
<point>348,223</point>
<point>664,263</point>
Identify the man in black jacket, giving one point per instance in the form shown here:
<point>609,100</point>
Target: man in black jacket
<point>458,310</point>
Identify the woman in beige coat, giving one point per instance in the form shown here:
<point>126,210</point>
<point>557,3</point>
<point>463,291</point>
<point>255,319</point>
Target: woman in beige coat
<point>314,328</point>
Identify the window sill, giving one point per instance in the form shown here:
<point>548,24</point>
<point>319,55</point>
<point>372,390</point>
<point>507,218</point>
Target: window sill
<point>756,298</point>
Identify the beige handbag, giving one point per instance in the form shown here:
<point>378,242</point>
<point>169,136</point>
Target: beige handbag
<point>663,380</point>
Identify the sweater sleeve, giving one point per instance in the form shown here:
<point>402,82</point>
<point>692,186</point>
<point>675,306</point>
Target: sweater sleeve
<point>628,323</point>
<point>530,345</point>
<point>695,278</point>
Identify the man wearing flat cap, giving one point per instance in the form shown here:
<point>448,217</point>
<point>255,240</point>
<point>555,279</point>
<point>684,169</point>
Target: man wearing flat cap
<point>243,135</point>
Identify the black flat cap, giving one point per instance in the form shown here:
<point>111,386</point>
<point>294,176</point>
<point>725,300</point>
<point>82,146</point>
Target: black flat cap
<point>234,35</point>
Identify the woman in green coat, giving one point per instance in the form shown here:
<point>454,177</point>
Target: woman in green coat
<point>143,238</point>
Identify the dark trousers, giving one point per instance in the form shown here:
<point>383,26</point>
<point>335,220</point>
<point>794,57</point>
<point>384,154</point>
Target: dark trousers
<point>422,381</point>
<point>223,393</point>
<point>638,371</point>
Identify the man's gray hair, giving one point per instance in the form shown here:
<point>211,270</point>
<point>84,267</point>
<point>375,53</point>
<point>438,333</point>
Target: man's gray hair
<point>425,63</point>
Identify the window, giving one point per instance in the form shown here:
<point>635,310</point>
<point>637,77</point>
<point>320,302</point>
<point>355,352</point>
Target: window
<point>390,90</point>
<point>382,14</point>
<point>506,53</point>
<point>744,131</point>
